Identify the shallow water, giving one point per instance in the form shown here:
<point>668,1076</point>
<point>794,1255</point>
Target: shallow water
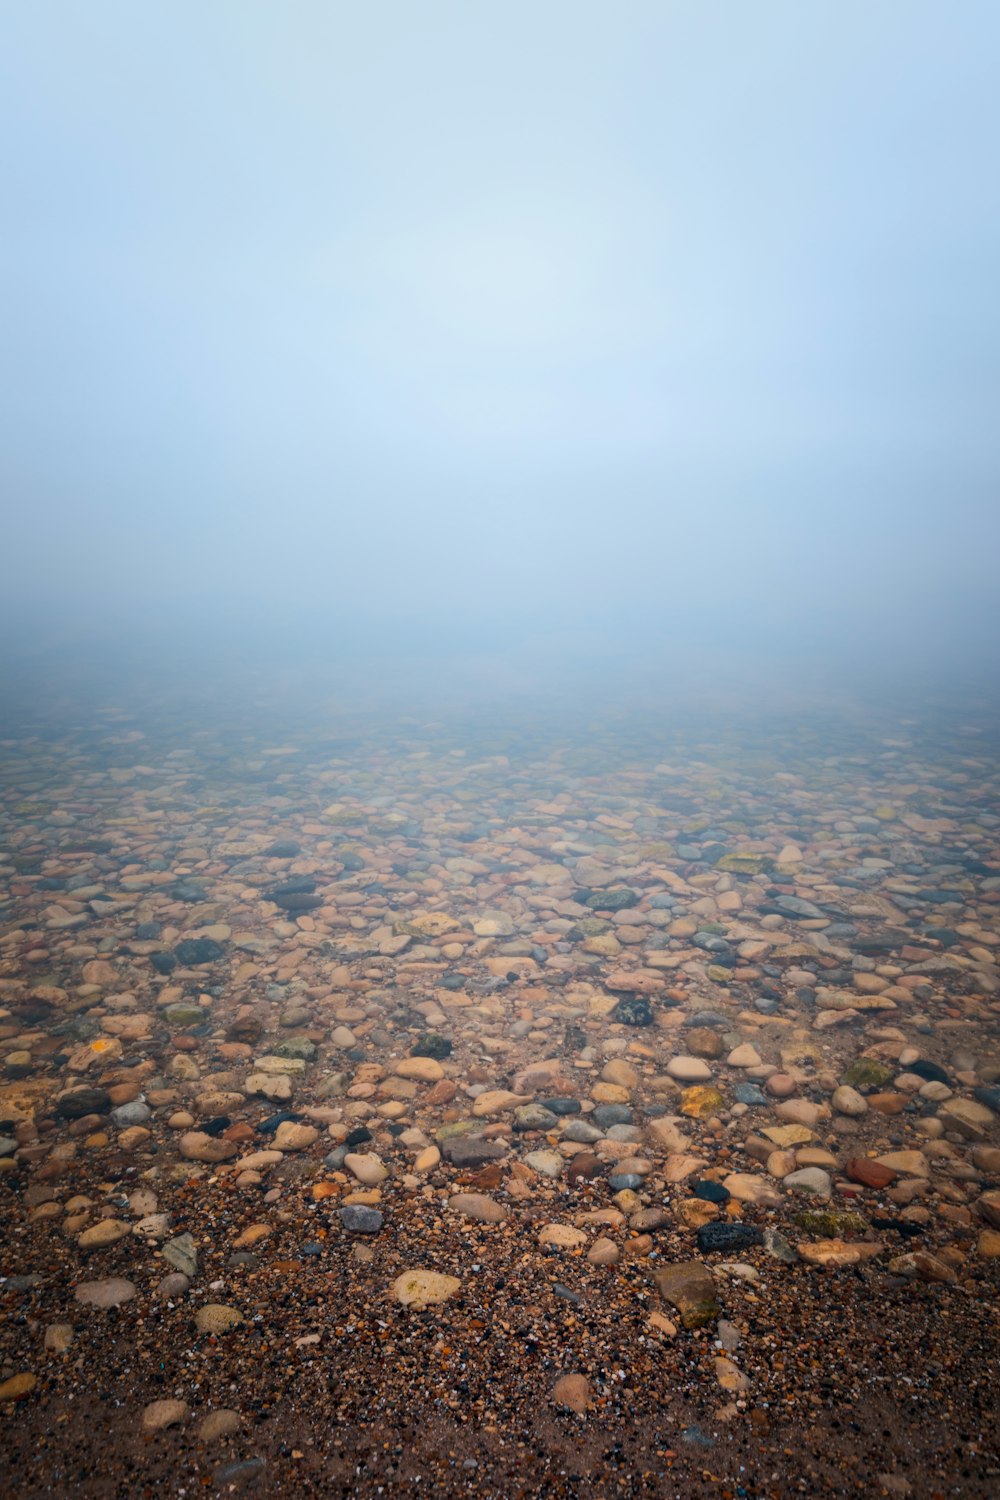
<point>564,995</point>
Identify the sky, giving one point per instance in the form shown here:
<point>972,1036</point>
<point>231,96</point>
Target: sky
<point>650,322</point>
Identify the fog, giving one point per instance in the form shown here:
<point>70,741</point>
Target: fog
<point>533,334</point>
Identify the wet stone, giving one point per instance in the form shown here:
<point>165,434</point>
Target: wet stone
<point>728,1238</point>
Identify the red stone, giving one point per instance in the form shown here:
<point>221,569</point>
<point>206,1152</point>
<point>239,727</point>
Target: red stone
<point>870,1173</point>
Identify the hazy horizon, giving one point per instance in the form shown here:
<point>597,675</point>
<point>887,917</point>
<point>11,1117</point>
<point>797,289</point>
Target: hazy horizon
<point>556,332</point>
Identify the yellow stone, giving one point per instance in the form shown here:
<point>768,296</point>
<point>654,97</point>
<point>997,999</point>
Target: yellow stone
<point>789,1135</point>
<point>17,1386</point>
<point>424,1288</point>
<point>701,1101</point>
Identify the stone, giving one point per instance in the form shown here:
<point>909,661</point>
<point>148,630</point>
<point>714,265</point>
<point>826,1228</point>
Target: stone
<point>216,1317</point>
<point>561,1237</point>
<point>906,1163</point>
<point>689,1286</point>
<point>359,1218</point>
<point>747,1187</point>
<point>104,1233</point>
<point>195,1145</point>
<point>497,1101</point>
<point>420,1288</point>
<point>477,1206</point>
<point>744,1056</point>
<point>111,1292</point>
<point>701,1102</point>
<point>292,1136</point>
<point>219,1424</point>
<point>18,1386</point>
<point>182,1254</point>
<point>367,1168</point>
<point>424,1069</point>
<point>835,1254</point>
<point>573,1391</point>
<point>58,1337</point>
<point>847,1101</point>
<point>810,1180</point>
<point>971,1120</point>
<point>689,1069</point>
<point>870,1173</point>
<point>159,1415</point>
<point>728,1238</point>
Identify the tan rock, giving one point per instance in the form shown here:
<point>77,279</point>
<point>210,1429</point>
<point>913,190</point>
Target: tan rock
<point>420,1288</point>
<point>573,1391</point>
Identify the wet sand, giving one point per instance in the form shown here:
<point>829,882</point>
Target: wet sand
<point>497,1102</point>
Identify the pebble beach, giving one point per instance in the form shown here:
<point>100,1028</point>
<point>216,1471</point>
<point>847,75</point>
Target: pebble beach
<point>484,1105</point>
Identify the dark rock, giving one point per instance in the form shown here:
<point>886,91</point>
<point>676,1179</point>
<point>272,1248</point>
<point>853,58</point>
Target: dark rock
<point>431,1045</point>
<point>471,1151</point>
<point>193,951</point>
<point>358,1218</point>
<point>728,1237</point>
<point>615,900</point>
<point>931,1071</point>
<point>606,1115</point>
<point>633,1010</point>
<point>748,1093</point>
<point>711,1192</point>
<point>90,1101</point>
<point>188,890</point>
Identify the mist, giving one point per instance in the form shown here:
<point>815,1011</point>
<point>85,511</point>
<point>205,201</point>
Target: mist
<point>549,333</point>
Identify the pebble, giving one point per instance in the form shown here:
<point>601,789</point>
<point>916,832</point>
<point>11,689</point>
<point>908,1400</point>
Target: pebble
<point>161,1414</point>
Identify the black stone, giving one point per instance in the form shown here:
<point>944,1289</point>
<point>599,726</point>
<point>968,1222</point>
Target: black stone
<point>270,1125</point>
<point>163,963</point>
<point>431,1045</point>
<point>728,1237</point>
<point>81,1102</point>
<point>711,1192</point>
<point>187,890</point>
<point>931,1071</point>
<point>297,901</point>
<point>198,951</point>
<point>633,1010</point>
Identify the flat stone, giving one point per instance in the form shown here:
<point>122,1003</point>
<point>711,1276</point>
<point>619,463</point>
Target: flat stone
<point>359,1218</point>
<point>689,1286</point>
<point>687,1069</point>
<point>478,1206</point>
<point>837,1253</point>
<point>562,1236</point>
<point>160,1414</point>
<point>420,1288</point>
<point>18,1386</point>
<point>573,1391</point>
<point>111,1292</point>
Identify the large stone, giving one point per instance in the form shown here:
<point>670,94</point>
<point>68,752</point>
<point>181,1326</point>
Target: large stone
<point>477,1206</point>
<point>420,1288</point>
<point>689,1286</point>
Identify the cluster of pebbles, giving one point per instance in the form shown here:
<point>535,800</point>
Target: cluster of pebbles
<point>503,1117</point>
